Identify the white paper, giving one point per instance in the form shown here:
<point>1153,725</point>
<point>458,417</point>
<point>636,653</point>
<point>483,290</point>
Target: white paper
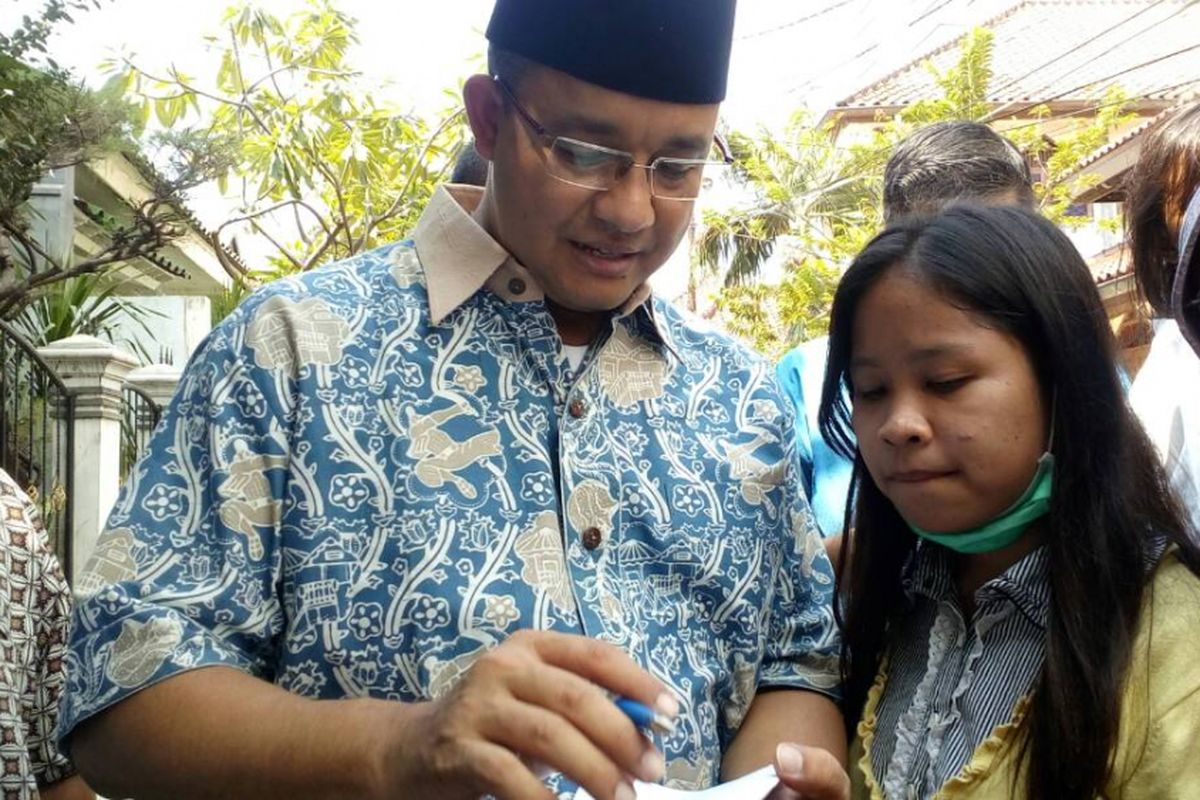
<point>755,786</point>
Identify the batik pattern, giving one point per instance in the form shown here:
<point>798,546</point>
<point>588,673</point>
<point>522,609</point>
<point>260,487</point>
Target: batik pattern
<point>348,499</point>
<point>35,613</point>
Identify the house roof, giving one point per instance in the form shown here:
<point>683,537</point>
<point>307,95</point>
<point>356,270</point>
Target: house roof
<point>152,175</point>
<point>1067,51</point>
<point>1111,264</point>
<point>1123,140</point>
<point>187,265</point>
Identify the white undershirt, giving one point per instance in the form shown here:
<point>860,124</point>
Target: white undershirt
<point>575,354</point>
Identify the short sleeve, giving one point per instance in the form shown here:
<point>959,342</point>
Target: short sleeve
<point>185,574</point>
<point>802,642</point>
<point>51,616</point>
<point>35,605</point>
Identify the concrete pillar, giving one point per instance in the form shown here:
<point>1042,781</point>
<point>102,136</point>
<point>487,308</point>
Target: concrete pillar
<point>94,372</point>
<point>156,381</point>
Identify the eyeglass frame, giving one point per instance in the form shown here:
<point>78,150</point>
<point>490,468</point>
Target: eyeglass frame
<point>1186,310</point>
<point>548,139</point>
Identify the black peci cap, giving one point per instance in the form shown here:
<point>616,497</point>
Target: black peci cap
<point>672,50</point>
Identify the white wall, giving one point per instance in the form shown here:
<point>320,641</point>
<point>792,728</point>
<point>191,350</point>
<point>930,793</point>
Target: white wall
<point>182,325</point>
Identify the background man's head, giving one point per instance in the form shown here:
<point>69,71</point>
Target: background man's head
<point>949,162</point>
<point>469,167</point>
<point>641,77</point>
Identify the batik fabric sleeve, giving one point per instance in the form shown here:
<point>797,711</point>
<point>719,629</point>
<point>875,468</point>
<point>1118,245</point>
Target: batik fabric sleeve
<point>185,574</point>
<point>35,611</point>
<point>803,646</point>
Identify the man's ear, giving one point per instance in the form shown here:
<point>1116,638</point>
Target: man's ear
<point>485,109</point>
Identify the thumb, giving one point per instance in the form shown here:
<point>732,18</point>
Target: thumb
<point>813,773</point>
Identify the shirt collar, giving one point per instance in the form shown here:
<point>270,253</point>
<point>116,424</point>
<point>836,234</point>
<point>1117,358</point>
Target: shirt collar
<point>457,255</point>
<point>459,258</point>
<point>1026,584</point>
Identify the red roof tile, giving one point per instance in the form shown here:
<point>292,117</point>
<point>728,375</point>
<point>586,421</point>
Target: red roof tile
<point>1068,50</point>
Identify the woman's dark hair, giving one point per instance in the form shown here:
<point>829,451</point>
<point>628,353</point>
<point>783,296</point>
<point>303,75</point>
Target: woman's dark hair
<point>1112,504</point>
<point>1157,194</point>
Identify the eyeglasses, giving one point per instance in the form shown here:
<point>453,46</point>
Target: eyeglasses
<point>1185,291</point>
<point>592,166</point>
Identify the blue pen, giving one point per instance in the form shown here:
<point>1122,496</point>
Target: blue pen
<point>644,716</point>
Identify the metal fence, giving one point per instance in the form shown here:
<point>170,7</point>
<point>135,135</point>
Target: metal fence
<point>139,418</point>
<point>37,423</point>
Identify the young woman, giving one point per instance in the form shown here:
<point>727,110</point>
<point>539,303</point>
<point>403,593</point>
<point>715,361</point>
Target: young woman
<point>1166,393</point>
<point>1019,601</point>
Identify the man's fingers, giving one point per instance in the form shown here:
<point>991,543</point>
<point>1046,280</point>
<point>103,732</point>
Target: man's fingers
<point>543,736</point>
<point>811,772</point>
<point>603,664</point>
<point>595,716</point>
<point>500,773</point>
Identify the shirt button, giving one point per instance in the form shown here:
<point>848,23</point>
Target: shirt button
<point>577,408</point>
<point>516,286</point>
<point>592,538</point>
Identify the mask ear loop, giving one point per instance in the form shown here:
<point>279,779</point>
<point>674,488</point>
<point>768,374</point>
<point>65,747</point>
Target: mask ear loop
<point>1053,420</point>
<point>1189,254</point>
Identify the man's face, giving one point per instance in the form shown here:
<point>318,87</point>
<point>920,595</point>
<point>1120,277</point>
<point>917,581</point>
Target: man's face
<point>589,250</point>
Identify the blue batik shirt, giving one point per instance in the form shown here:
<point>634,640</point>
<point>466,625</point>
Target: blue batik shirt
<point>373,472</point>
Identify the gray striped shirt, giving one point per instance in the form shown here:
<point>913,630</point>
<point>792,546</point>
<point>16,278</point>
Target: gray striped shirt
<point>950,683</point>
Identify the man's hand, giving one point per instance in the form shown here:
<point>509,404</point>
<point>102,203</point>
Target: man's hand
<point>809,773</point>
<point>538,698</point>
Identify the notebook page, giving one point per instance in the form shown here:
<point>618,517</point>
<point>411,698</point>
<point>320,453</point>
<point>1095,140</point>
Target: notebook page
<point>754,786</point>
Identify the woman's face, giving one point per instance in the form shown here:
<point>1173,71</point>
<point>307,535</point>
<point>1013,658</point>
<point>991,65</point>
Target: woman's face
<point>948,412</point>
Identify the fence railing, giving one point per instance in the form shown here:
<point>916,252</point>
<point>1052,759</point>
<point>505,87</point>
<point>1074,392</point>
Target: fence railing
<point>139,418</point>
<point>37,424</point>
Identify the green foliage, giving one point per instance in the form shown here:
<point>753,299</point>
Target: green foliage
<point>225,303</point>
<point>87,304</point>
<point>823,203</point>
<point>1058,162</point>
<point>28,41</point>
<point>963,87</point>
<point>47,120</point>
<point>50,120</point>
<point>772,318</point>
<point>324,168</point>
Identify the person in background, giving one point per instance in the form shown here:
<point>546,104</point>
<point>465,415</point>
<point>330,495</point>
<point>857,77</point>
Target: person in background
<point>1166,391</point>
<point>470,168</point>
<point>35,618</point>
<point>939,164</point>
<point>1018,599</point>
<point>412,520</point>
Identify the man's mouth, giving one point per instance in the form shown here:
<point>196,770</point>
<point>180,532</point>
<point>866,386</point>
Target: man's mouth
<point>611,254</point>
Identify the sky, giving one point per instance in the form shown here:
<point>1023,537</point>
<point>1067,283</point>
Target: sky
<point>787,54</point>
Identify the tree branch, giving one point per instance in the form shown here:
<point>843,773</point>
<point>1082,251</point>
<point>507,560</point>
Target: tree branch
<point>241,105</point>
<point>283,250</point>
<point>270,76</point>
<point>373,222</point>
<point>141,241</point>
<point>231,267</point>
<point>311,261</point>
<point>271,209</point>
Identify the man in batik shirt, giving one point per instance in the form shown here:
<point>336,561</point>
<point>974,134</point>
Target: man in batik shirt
<point>35,617</point>
<point>481,481</point>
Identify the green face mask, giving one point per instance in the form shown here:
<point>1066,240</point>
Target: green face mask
<point>1008,527</point>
